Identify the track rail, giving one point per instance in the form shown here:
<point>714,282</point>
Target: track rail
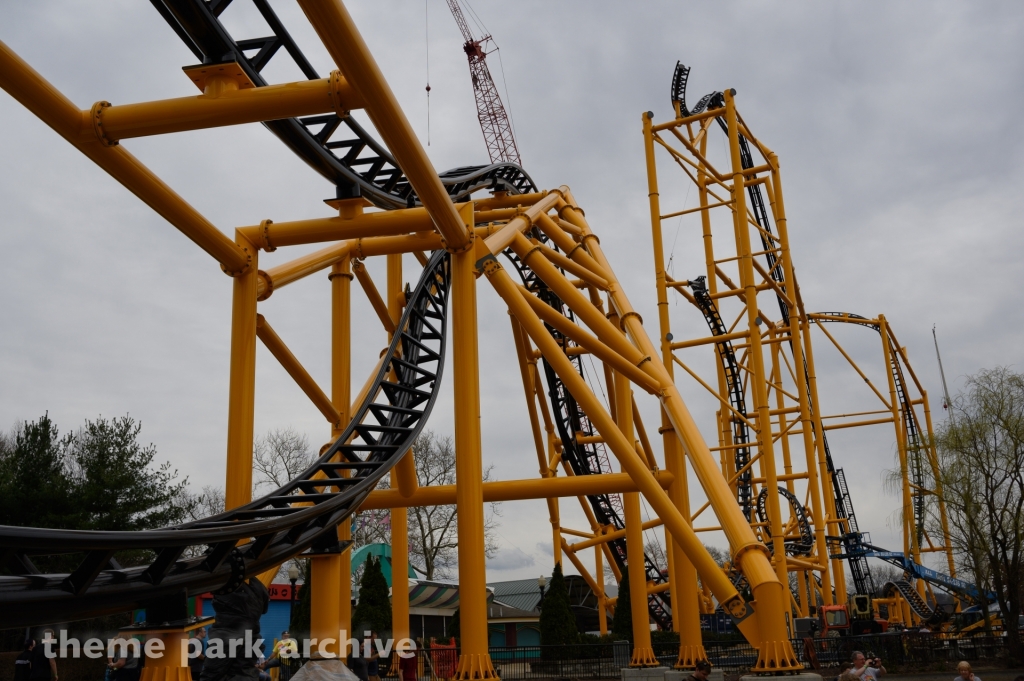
<point>340,149</point>
<point>246,541</point>
<point>844,504</point>
<point>587,458</point>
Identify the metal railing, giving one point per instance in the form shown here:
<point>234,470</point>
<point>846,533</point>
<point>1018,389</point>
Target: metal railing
<point>605,660</point>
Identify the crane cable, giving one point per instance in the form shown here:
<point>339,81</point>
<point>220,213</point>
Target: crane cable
<point>426,34</point>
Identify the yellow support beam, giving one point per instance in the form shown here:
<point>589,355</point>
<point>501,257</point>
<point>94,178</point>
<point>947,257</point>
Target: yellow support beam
<point>225,105</point>
<point>37,95</point>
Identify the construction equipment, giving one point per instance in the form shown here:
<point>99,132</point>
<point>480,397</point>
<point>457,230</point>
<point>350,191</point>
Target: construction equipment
<point>494,121</point>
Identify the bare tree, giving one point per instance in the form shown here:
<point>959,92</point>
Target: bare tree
<point>433,530</point>
<point>654,551</point>
<point>279,456</point>
<point>981,463</point>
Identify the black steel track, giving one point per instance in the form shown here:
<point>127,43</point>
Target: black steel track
<point>340,149</point>
<point>246,541</point>
<point>734,381</point>
<point>861,571</point>
<point>585,458</point>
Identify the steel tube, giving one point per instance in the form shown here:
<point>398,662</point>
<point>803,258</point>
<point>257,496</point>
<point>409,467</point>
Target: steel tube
<point>23,83</point>
<point>515,490</point>
<point>233,107</point>
<point>298,372</point>
<point>343,41</point>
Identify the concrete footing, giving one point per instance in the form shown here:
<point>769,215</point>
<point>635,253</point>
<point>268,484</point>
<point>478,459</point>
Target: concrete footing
<point>644,673</point>
<point>682,675</point>
<point>802,676</point>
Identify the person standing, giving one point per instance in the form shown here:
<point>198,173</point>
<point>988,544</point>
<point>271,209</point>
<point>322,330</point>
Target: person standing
<point>126,667</point>
<point>373,659</point>
<point>195,664</point>
<point>23,663</point>
<point>409,667</point>
<point>865,669</point>
<point>965,673</point>
<point>701,670</point>
<point>44,667</point>
<point>281,657</point>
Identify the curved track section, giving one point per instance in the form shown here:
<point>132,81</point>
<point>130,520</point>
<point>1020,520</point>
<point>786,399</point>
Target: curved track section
<point>246,541</point>
<point>733,379</point>
<point>340,149</point>
<point>915,456</point>
<point>914,600</point>
<point>587,458</point>
<point>859,568</point>
<point>803,543</point>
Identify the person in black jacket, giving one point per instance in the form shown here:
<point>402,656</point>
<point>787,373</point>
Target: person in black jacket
<point>237,612</point>
<point>23,663</point>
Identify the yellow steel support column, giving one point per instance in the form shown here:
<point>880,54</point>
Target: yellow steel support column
<point>399,478</point>
<point>341,389</point>
<point>838,578</point>
<point>475,660</point>
<point>324,616</point>
<point>933,460</point>
<point>807,428</point>
<point>340,36</point>
<point>774,649</point>
<point>643,652</point>
<point>910,545</point>
<point>602,607</point>
<point>756,354</point>
<point>623,450</point>
<point>683,576</point>
<point>242,384</point>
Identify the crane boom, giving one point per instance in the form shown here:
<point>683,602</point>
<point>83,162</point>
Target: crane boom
<point>494,121</point>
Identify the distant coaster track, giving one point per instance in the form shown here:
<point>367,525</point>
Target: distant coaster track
<point>246,541</point>
<point>859,568</point>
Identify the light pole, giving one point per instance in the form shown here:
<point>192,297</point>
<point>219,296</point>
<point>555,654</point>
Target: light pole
<point>541,582</point>
<point>293,576</point>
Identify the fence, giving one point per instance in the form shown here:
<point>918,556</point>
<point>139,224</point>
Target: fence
<point>605,660</point>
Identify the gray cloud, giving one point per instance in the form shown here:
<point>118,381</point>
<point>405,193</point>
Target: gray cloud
<point>895,125</point>
<point>510,558</point>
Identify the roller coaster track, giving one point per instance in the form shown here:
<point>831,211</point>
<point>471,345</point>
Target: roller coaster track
<point>800,545</point>
<point>914,600</point>
<point>340,149</point>
<point>587,457</point>
<point>258,536</point>
<point>734,381</point>
<point>861,571</point>
<point>914,446</point>
<point>301,515</point>
<point>348,156</point>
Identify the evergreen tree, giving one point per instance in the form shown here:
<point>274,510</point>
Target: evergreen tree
<point>36,487</point>
<point>557,620</point>
<point>299,626</point>
<point>453,628</point>
<point>622,622</point>
<point>374,609</point>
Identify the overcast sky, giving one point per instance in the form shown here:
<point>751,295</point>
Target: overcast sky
<point>893,122</point>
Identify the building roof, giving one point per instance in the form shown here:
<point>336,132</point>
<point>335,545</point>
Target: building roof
<point>522,594</point>
<point>497,610</point>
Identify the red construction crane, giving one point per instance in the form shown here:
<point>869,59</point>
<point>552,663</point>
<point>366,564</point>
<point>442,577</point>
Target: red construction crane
<point>494,122</point>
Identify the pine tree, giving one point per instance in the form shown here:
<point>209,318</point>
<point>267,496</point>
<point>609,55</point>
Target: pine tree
<point>373,613</point>
<point>622,622</point>
<point>557,620</point>
<point>301,614</point>
<point>453,628</point>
